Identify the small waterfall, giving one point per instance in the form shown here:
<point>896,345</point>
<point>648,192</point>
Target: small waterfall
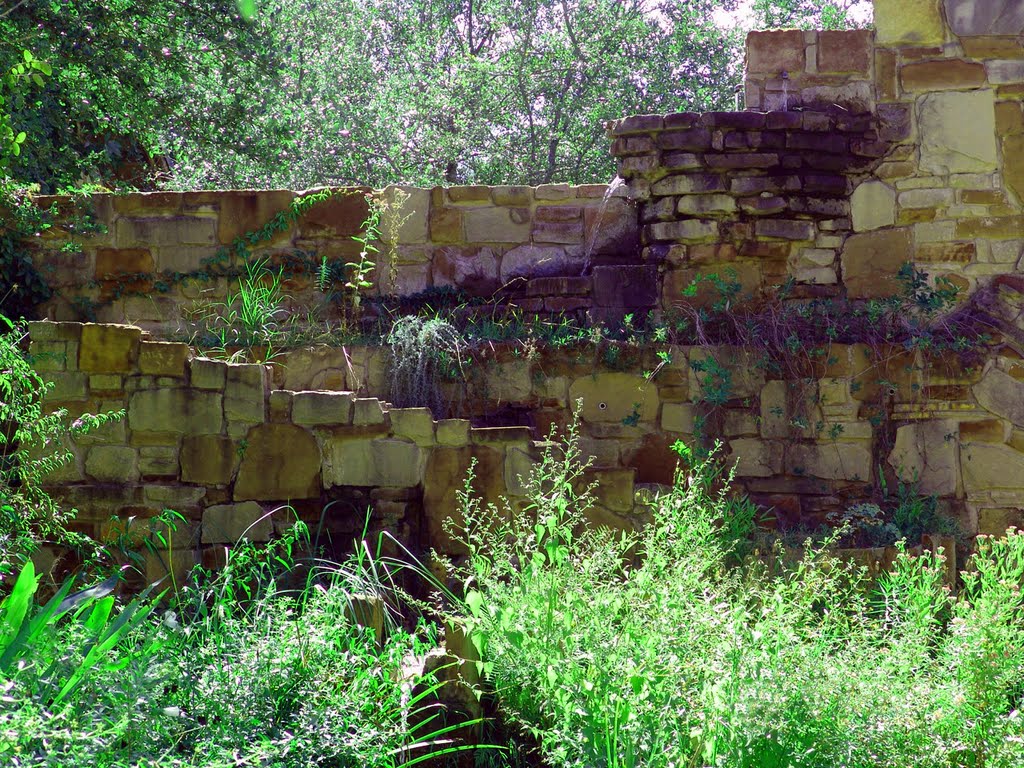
<point>613,185</point>
<point>785,91</point>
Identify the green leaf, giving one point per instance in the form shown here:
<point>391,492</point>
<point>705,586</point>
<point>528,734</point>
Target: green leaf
<point>27,55</point>
<point>474,601</point>
<point>37,80</point>
<point>20,138</point>
<point>247,8</point>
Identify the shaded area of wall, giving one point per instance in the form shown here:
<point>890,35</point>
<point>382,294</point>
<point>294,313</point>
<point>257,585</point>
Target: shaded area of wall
<point>480,240</point>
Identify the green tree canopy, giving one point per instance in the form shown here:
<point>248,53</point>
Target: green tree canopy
<point>308,92</point>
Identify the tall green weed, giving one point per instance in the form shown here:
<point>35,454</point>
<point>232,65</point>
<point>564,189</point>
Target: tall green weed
<point>658,649</point>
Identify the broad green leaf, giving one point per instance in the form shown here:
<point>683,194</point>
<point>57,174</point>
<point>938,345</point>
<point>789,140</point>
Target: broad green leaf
<point>37,80</point>
<point>474,601</point>
<point>15,605</point>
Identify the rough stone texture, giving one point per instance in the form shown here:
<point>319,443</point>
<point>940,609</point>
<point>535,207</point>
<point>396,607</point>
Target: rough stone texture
<point>157,358</point>
<point>942,74</point>
<point>873,206</point>
<point>830,461</point>
<point>112,463</point>
<point>281,462</point>
<point>989,467</point>
<point>208,459</point>
<point>926,453</point>
<point>613,397</point>
<point>985,17</point>
<point>322,408</point>
<point>176,411</point>
<point>1002,394</point>
<point>1013,165</point>
<point>870,262</point>
<point>108,348</point>
<point>908,21</point>
<point>230,523</point>
<point>381,462</point>
<point>951,144</point>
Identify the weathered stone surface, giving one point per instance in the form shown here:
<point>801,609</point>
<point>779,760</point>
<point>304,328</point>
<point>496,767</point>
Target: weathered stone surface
<point>1013,165</point>
<point>176,411</point>
<point>989,466</point>
<point>908,21</point>
<point>677,417</point>
<point>472,269</point>
<point>495,225</point>
<point>243,211</point>
<point>691,183</point>
<point>814,266</point>
<point>626,286</point>
<point>112,463</point>
<point>367,411</point>
<point>942,74</point>
<point>830,461</point>
<point>985,17</point>
<point>755,458</point>
<point>245,393</point>
<point>161,358</point>
<point>951,144</point>
<point>208,374</point>
<point>381,462</point>
<point>927,453</point>
<point>1000,393</point>
<point>541,261</point>
<point>509,382</point>
<point>872,206</point>
<point>416,424</point>
<point>281,462</point>
<point>405,218</point>
<point>774,51</point>
<point>453,432</point>
<point>518,467</point>
<point>230,523</point>
<point>613,397</point>
<point>208,459</point>
<point>322,408</point>
<point>745,373</point>
<point>108,348</point>
<point>847,50</point>
<point>695,205</point>
<point>158,461</point>
<point>786,229</point>
<point>870,262</point>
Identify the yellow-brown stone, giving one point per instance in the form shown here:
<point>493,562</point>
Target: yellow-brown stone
<point>918,22</point>
<point>847,50</point>
<point>961,253</point>
<point>1004,228</point>
<point>771,52</point>
<point>985,431</point>
<point>1013,164</point>
<point>885,75</point>
<point>163,358</point>
<point>871,261</point>
<point>109,348</point>
<point>942,74</point>
<point>992,47</point>
<point>111,262</point>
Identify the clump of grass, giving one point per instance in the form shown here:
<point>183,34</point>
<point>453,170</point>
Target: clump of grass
<point>658,650</point>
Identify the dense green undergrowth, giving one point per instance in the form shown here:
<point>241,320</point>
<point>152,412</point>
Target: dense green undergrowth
<point>661,650</point>
<point>241,672</point>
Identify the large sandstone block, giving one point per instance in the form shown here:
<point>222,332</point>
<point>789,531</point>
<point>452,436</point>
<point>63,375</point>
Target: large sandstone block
<point>984,17</point>
<point>405,218</point>
<point>1000,393</point>
<point>380,462</point>
<point>176,411</point>
<point>1013,165</point>
<point>109,348</point>
<point>541,261</point>
<point>162,358</point>
<point>615,397</point>
<point>280,462</point>
<point>944,74</point>
<point>989,467</point>
<point>949,142</point>
<point>771,52</point>
<point>755,458</point>
<point>208,459</point>
<point>112,463</point>
<point>322,408</point>
<point>497,225</point>
<point>245,393</point>
<point>830,461</point>
<point>927,452</point>
<point>873,206</point>
<point>846,50</point>
<point>871,261</point>
<point>229,523</point>
<point>908,21</point>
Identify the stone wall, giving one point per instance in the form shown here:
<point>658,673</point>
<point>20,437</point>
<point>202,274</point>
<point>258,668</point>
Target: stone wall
<point>902,144</point>
<point>476,239</point>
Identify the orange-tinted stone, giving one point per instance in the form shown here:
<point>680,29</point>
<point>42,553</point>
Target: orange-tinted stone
<point>942,74</point>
